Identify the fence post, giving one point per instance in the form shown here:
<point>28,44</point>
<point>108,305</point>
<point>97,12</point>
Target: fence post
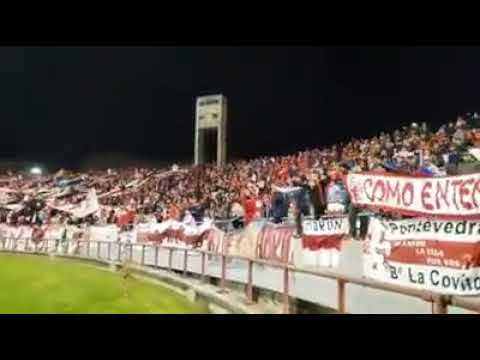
<point>170,254</point>
<point>98,249</point>
<point>224,274</point>
<point>156,255</point>
<point>286,303</point>
<point>185,259</point>
<point>341,296</point>
<point>143,254</point>
<point>250,282</point>
<point>203,267</point>
<point>131,253</point>
<point>119,251</point>
<point>440,305</point>
<point>109,251</point>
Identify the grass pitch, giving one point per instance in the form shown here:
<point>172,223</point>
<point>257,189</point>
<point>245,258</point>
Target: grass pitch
<point>39,285</point>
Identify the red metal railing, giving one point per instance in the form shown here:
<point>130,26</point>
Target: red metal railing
<point>440,303</point>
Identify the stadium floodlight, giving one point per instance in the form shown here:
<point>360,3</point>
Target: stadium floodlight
<point>36,171</point>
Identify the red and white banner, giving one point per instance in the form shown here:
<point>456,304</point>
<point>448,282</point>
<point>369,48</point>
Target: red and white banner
<point>266,241</point>
<point>172,233</point>
<point>322,241</point>
<point>259,240</point>
<point>217,242</point>
<point>442,256</point>
<point>326,233</point>
<point>443,197</point>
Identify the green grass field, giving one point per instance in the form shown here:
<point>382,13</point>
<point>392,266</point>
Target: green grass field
<point>39,285</point>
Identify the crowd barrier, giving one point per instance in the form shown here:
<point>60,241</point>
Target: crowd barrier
<point>198,261</point>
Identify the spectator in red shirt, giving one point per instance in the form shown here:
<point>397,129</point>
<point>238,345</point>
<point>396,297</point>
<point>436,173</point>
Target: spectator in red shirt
<point>249,204</point>
<point>126,217</point>
<point>174,213</point>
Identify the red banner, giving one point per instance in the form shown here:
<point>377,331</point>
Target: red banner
<point>454,255</point>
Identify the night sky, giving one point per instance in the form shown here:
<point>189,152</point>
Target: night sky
<point>60,106</point>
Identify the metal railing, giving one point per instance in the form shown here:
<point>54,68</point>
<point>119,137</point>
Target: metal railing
<point>440,303</point>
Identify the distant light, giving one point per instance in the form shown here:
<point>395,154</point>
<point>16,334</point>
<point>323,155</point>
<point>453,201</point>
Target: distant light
<point>36,171</point>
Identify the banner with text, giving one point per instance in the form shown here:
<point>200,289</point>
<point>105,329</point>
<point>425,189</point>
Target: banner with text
<point>321,241</point>
<point>259,240</point>
<point>319,246</point>
<point>454,197</point>
<point>441,256</point>
<point>64,238</point>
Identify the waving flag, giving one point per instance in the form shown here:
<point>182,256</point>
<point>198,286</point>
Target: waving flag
<point>86,207</point>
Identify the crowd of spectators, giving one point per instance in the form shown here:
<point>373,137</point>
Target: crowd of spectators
<point>307,183</point>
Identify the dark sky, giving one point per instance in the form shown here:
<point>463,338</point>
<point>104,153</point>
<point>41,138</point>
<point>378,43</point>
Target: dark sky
<point>61,105</point>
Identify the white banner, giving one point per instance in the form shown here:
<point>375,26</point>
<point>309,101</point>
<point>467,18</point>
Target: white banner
<point>16,236</point>
<point>426,229</point>
<point>315,232</point>
<point>86,207</point>
<point>447,197</point>
<point>128,236</point>
<point>54,232</point>
<point>103,233</point>
<point>444,262</point>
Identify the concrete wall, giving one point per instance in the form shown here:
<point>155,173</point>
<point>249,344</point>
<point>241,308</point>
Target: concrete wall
<point>359,299</point>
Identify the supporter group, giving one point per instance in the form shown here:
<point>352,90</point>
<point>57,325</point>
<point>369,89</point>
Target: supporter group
<point>305,184</point>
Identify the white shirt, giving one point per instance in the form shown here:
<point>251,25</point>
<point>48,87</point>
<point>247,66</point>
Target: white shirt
<point>237,210</point>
